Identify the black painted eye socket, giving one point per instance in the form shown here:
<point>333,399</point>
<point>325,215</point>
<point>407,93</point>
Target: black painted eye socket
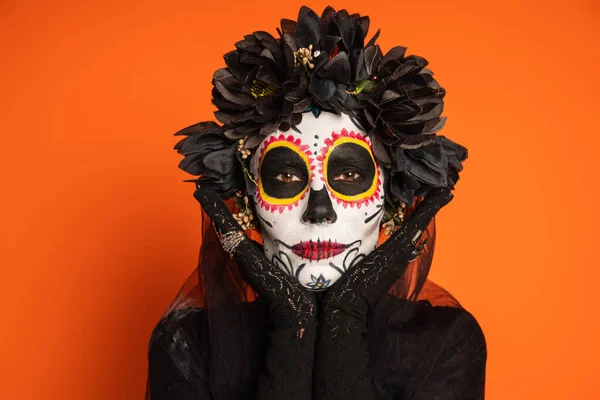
<point>350,169</point>
<point>283,173</point>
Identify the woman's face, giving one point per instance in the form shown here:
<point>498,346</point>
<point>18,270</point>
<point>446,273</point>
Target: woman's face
<point>319,198</point>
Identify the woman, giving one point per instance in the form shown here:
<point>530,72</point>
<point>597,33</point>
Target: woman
<point>329,149</point>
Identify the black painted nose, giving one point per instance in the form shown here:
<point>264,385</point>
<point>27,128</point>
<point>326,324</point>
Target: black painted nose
<point>319,209</point>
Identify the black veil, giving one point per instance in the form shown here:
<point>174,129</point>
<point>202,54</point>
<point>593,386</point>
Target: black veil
<point>234,316</point>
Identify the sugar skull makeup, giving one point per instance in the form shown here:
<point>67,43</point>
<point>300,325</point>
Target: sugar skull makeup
<point>319,198</point>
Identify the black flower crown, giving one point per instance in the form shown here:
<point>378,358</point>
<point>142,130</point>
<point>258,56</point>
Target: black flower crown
<point>323,64</point>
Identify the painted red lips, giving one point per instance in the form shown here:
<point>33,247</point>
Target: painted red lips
<point>318,250</point>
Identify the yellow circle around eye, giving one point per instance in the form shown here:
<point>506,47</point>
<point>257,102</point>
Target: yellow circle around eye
<point>290,200</point>
<point>357,197</point>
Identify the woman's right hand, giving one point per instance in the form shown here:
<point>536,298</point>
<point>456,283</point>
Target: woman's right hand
<point>291,305</point>
<point>289,357</point>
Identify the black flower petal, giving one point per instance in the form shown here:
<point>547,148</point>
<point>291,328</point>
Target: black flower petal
<point>310,28</point>
<point>267,85</point>
<point>208,153</point>
<point>403,187</point>
<point>428,164</point>
<point>321,89</point>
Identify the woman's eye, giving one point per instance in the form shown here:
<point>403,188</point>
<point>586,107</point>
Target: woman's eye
<point>287,178</point>
<point>349,176</point>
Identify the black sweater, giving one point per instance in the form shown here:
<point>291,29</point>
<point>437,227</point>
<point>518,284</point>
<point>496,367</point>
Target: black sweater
<point>411,350</point>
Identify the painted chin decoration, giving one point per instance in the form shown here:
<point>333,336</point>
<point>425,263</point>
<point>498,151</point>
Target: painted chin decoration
<point>319,198</point>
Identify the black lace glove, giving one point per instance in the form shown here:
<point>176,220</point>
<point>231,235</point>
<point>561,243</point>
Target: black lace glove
<point>341,366</point>
<point>289,357</point>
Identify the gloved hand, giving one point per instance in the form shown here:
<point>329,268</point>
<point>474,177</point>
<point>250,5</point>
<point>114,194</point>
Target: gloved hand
<point>289,357</point>
<point>291,305</point>
<point>341,371</point>
<point>345,305</point>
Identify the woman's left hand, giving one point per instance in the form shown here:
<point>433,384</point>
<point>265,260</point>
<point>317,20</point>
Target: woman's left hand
<point>345,305</point>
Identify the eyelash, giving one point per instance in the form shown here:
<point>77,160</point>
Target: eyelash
<point>282,177</point>
<point>341,177</point>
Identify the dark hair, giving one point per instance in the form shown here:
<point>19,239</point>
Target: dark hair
<point>323,64</point>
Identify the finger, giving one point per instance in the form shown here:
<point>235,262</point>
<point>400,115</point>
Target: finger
<point>217,210</point>
<point>253,261</point>
<point>268,280</point>
<point>420,218</point>
<point>396,251</point>
<point>375,273</point>
<point>224,222</point>
<point>434,201</point>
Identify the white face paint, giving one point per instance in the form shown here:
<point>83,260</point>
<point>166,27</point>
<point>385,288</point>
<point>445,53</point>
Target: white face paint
<point>319,198</point>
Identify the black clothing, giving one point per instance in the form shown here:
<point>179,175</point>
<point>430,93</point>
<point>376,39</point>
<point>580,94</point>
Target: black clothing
<point>415,351</point>
<point>220,339</point>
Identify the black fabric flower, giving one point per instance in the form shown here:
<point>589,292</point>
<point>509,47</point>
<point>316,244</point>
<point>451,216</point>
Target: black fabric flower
<point>406,103</point>
<point>414,172</point>
<point>207,152</point>
<point>336,42</point>
<point>261,90</point>
<point>323,63</point>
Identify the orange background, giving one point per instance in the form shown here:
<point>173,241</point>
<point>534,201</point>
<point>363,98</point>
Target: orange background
<point>99,232</point>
